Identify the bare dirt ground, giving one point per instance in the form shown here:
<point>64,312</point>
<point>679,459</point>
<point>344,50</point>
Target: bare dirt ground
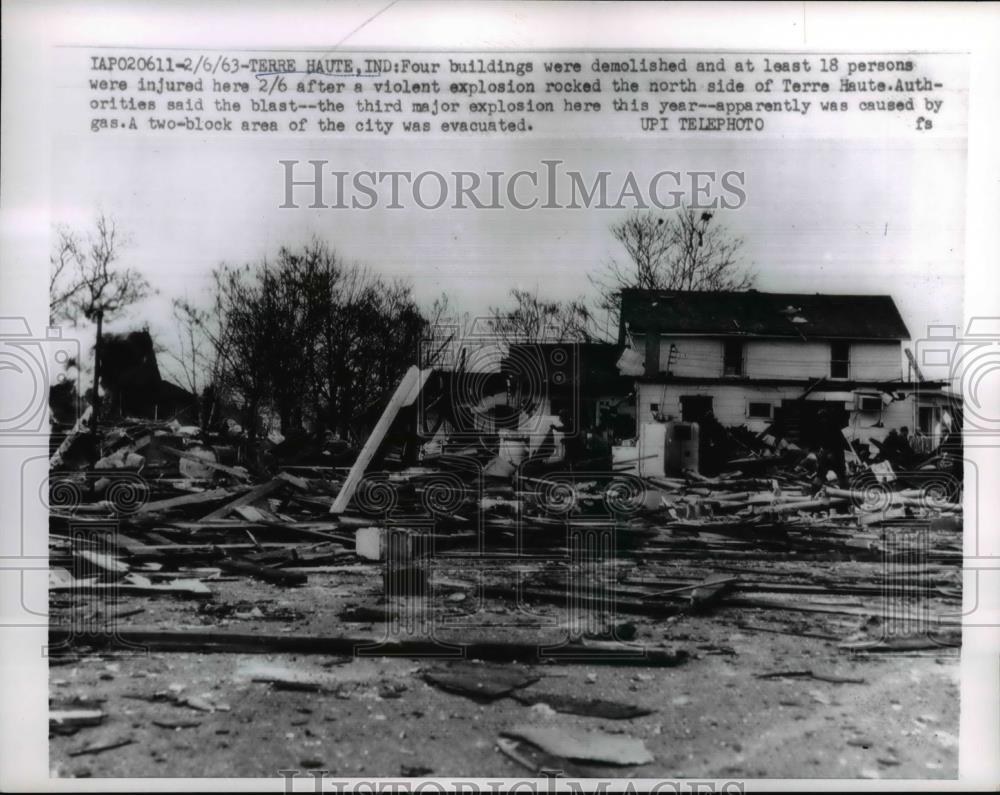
<point>195,714</point>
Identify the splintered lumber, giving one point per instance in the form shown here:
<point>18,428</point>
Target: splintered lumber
<point>810,674</point>
<point>590,707</point>
<point>81,425</point>
<point>134,584</point>
<point>805,505</point>
<point>212,495</point>
<point>584,745</point>
<point>946,639</point>
<point>895,498</point>
<point>101,747</point>
<point>710,590</point>
<point>108,565</point>
<point>239,473</point>
<point>256,493</point>
<point>214,641</point>
<point>407,391</point>
<point>537,761</point>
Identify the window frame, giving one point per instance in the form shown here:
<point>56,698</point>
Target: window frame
<point>835,361</point>
<point>727,347</point>
<point>752,416</point>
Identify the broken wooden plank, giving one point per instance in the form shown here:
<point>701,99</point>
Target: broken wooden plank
<point>139,585</point>
<point>109,566</point>
<point>536,760</point>
<point>860,499</point>
<point>79,427</point>
<point>588,746</point>
<point>101,747</point>
<point>212,495</point>
<point>256,493</point>
<point>237,472</point>
<point>215,641</point>
<point>810,674</point>
<point>590,707</point>
<point>407,391</point>
<point>906,643</point>
<point>66,721</point>
<point>710,590</point>
<point>480,682</point>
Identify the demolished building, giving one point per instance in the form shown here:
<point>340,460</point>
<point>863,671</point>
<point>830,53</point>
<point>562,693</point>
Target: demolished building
<point>774,361</point>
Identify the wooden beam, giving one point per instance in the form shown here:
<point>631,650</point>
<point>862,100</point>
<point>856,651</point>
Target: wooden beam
<point>210,640</point>
<point>212,495</point>
<point>256,493</point>
<point>406,393</point>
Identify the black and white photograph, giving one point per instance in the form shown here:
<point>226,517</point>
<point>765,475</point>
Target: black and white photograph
<point>557,397</point>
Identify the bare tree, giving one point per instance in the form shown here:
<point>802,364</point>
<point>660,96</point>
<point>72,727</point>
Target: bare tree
<point>308,337</point>
<point>65,266</point>
<point>534,319</point>
<point>685,251</point>
<point>446,332</point>
<point>194,360</point>
<point>89,283</point>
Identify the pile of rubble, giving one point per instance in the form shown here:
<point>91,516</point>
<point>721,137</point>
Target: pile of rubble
<point>422,551</point>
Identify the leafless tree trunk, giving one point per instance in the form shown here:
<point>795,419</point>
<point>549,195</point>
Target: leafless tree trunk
<point>88,283</point>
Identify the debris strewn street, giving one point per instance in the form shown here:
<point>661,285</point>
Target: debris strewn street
<point>450,614</point>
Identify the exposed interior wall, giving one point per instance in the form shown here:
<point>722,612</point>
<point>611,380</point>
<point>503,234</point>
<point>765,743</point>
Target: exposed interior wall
<point>730,406</point>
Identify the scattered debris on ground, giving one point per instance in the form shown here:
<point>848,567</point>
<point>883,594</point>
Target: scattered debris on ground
<point>540,605</point>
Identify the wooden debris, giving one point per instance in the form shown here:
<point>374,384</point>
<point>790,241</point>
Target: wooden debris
<point>590,746</point>
<point>480,682</point>
<point>537,761</point>
<point>212,495</point>
<point>590,707</point>
<point>237,472</point>
<point>67,721</point>
<point>256,493</point>
<point>406,393</point>
<point>210,641</point>
<point>101,747</point>
<point>809,674</point>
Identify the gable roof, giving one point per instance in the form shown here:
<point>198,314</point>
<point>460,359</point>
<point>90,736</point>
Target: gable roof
<point>751,313</point>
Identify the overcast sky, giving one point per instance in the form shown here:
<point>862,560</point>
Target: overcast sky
<point>821,216</point>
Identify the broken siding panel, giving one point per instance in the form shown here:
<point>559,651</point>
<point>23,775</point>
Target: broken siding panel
<point>729,403</point>
<point>697,357</point>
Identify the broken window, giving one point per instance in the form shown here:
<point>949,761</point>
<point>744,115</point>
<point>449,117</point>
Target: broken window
<point>758,410</point>
<point>925,419</point>
<point>694,408</point>
<point>840,359</point>
<point>732,358</point>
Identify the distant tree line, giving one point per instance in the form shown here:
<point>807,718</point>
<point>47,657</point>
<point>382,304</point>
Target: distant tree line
<point>315,342</point>
<point>306,337</point>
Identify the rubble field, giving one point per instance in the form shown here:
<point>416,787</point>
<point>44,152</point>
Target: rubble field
<point>208,619</point>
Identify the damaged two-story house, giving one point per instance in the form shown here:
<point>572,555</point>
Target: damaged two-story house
<point>772,361</point>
